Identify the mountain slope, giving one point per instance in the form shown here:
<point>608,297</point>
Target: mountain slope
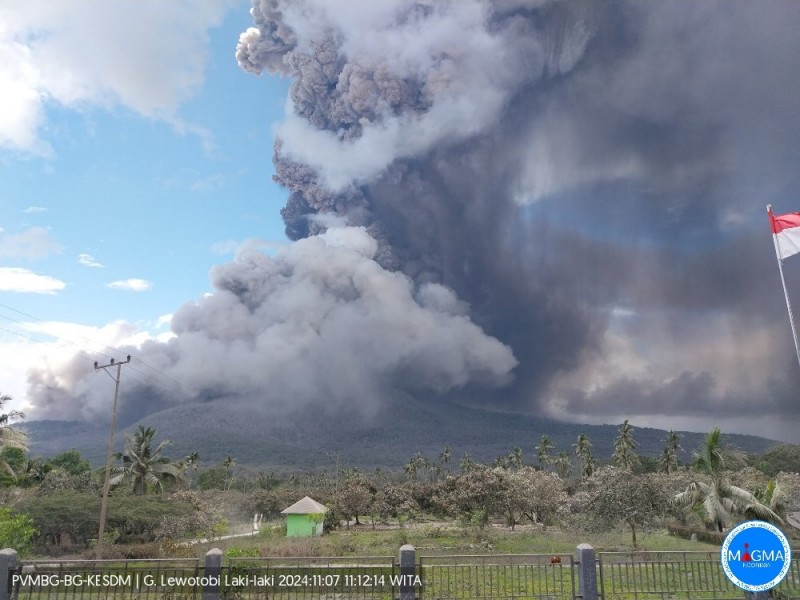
<point>308,439</point>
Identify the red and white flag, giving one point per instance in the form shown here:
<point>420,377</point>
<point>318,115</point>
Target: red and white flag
<point>786,229</point>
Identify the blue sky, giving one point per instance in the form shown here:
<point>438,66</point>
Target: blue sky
<point>125,212</point>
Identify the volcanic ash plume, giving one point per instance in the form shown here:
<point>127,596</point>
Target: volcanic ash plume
<point>547,206</point>
<point>404,119</point>
<point>544,160</point>
<point>321,323</point>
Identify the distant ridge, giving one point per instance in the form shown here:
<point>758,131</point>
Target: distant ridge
<point>307,439</point>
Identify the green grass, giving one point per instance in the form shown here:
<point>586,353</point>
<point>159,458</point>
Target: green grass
<point>437,539</point>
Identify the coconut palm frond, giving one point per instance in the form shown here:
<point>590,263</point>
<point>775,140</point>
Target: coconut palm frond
<point>143,465</point>
<point>718,498</point>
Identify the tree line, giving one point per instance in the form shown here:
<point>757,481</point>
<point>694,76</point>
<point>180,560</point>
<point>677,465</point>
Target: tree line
<point>155,498</point>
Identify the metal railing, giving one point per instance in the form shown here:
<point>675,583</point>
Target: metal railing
<point>695,575</point>
<point>677,575</point>
<point>469,577</point>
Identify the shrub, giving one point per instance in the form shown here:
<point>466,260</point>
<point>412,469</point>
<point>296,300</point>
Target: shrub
<point>16,531</point>
<point>72,518</point>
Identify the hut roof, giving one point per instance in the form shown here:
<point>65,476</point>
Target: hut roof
<point>305,506</point>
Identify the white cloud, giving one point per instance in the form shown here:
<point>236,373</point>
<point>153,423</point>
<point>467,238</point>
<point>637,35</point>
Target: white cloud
<point>147,55</point>
<point>33,243</point>
<point>14,279</point>
<point>133,285</point>
<point>35,209</point>
<point>87,260</point>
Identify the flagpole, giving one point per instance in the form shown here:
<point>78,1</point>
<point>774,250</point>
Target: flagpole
<point>783,283</point>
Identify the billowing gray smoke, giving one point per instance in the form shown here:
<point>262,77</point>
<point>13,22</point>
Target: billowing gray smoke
<point>574,188</point>
<point>403,113</point>
<point>572,170</point>
<point>320,323</point>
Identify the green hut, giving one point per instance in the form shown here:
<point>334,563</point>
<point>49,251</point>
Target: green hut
<point>304,518</point>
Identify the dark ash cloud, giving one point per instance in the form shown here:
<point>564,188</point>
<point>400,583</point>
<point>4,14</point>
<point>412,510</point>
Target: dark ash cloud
<point>585,181</point>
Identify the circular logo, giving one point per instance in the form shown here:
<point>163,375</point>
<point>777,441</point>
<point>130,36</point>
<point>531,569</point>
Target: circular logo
<point>756,556</point>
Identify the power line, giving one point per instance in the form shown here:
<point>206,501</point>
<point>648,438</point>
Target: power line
<point>11,308</point>
<point>175,385</point>
<point>144,380</point>
<point>56,337</point>
<point>80,353</point>
<point>83,354</point>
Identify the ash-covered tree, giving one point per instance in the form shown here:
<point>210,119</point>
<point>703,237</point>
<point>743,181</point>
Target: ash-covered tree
<point>354,496</point>
<point>228,463</point>
<point>712,492</point>
<point>532,494</point>
<point>784,458</point>
<point>583,451</point>
<point>189,466</point>
<point>413,466</point>
<point>515,458</point>
<point>668,459</point>
<point>394,502</point>
<point>446,456</point>
<point>466,463</point>
<point>782,494</point>
<point>625,455</point>
<point>563,464</point>
<point>619,496</point>
<point>544,451</point>
<point>474,495</point>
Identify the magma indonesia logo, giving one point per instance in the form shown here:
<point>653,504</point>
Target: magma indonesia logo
<point>756,556</point>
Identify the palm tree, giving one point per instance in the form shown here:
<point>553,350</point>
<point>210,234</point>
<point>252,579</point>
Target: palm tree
<point>447,455</point>
<point>625,448</point>
<point>543,451</point>
<point>228,462</point>
<point>410,469</point>
<point>427,464</point>
<point>668,459</point>
<point>713,493</point>
<point>10,436</point>
<point>35,470</point>
<point>563,464</point>
<point>466,463</point>
<point>143,465</point>
<point>416,463</point>
<point>516,457</point>
<point>583,450</point>
<point>191,462</point>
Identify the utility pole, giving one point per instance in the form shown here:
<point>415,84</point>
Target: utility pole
<point>335,454</point>
<point>107,479</point>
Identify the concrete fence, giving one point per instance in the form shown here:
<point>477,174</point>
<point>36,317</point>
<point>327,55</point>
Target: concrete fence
<point>584,575</point>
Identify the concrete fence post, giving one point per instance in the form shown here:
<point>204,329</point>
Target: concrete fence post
<point>212,572</point>
<point>8,564</point>
<point>408,565</point>
<point>587,572</point>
